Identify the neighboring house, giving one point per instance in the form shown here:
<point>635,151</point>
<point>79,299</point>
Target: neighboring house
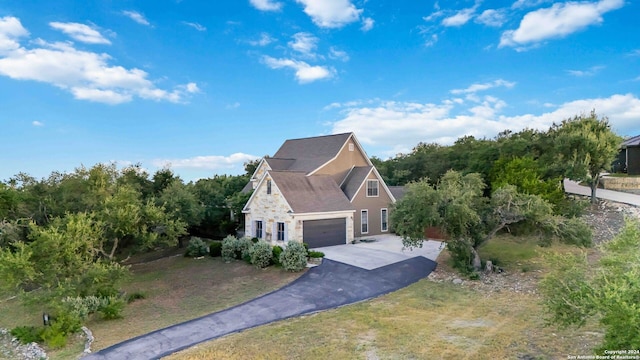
<point>321,190</point>
<point>629,157</point>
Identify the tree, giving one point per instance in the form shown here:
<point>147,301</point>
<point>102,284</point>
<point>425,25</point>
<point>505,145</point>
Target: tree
<point>574,291</point>
<point>585,147</point>
<point>456,205</point>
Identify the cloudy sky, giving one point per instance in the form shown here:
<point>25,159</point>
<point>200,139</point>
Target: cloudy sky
<point>203,86</point>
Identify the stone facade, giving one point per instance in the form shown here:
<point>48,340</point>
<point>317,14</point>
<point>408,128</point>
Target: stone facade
<point>270,209</point>
<point>620,183</point>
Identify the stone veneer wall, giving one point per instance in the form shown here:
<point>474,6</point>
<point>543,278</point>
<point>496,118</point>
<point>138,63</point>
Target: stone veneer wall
<point>270,208</point>
<point>621,183</point>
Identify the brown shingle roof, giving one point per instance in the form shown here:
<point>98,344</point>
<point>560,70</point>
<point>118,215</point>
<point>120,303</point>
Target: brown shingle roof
<point>308,194</point>
<point>354,179</point>
<point>308,153</point>
<point>398,191</point>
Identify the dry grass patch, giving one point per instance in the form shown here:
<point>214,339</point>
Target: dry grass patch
<point>499,317</point>
<point>176,288</point>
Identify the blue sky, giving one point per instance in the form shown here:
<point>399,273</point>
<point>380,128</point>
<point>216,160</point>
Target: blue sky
<point>203,86</point>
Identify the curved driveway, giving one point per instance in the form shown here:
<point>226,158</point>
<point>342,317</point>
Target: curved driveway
<point>327,286</point>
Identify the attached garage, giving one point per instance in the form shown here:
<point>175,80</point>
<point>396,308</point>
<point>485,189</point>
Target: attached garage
<point>327,232</point>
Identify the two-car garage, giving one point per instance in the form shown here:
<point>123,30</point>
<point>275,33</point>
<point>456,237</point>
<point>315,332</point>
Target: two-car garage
<point>326,232</point>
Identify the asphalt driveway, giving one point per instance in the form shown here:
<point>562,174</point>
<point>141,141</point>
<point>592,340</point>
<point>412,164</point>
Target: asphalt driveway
<point>329,285</point>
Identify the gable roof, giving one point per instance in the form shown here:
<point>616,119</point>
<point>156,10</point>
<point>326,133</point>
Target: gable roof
<point>398,191</point>
<point>310,194</point>
<point>307,154</point>
<point>354,180</point>
<point>633,141</point>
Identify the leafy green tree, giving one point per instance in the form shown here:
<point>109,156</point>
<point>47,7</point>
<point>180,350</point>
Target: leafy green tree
<point>180,202</point>
<point>456,205</point>
<point>585,146</point>
<point>525,174</point>
<point>574,292</point>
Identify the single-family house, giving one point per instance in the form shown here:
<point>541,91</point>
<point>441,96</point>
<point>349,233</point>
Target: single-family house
<point>320,190</point>
<point>629,156</point>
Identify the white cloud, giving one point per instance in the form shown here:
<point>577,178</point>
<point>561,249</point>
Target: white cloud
<point>338,54</point>
<point>86,75</point>
<point>80,32</point>
<point>560,20</point>
<point>195,26</point>
<point>235,105</point>
<point>432,40</point>
<point>210,162</point>
<point>304,43</point>
<point>460,18</point>
<point>37,123</point>
<point>367,24</point>
<point>589,72</point>
<point>264,40</point>
<point>304,72</point>
<point>266,5</point>
<point>492,17</point>
<point>137,17</point>
<point>11,31</point>
<point>331,13</point>
<point>484,86</point>
<point>395,127</point>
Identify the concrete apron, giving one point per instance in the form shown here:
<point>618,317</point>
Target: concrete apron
<point>383,250</point>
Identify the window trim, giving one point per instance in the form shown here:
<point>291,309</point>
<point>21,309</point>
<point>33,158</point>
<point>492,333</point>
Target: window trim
<point>260,227</point>
<point>384,211</point>
<point>284,231</point>
<point>377,187</point>
<point>268,187</point>
<point>351,147</point>
<point>364,215</point>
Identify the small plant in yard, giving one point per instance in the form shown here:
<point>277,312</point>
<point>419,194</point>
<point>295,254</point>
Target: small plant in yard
<point>277,250</point>
<point>294,257</point>
<point>215,249</point>
<point>244,248</point>
<point>135,296</point>
<point>316,254</point>
<point>229,246</point>
<point>112,309</point>
<point>27,334</point>
<point>261,254</point>
<point>196,248</point>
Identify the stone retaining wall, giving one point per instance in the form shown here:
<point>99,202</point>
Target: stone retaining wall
<point>620,183</point>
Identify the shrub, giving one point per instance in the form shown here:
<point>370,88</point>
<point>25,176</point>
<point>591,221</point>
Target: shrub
<point>316,254</point>
<point>215,249</point>
<point>135,296</point>
<point>27,334</point>
<point>244,248</point>
<point>294,257</point>
<point>276,251</point>
<point>112,309</point>
<point>229,246</point>
<point>196,248</point>
<point>82,307</point>
<point>261,254</point>
<point>62,325</point>
<point>254,240</point>
<point>54,338</point>
<point>575,232</point>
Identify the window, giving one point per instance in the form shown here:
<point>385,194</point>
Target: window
<point>350,147</point>
<point>372,188</point>
<point>364,222</point>
<point>280,229</point>
<point>268,187</point>
<point>384,220</point>
<point>259,229</point>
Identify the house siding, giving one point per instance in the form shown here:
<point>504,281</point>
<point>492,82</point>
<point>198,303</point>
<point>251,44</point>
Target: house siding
<point>373,205</point>
<point>343,162</point>
<point>270,209</point>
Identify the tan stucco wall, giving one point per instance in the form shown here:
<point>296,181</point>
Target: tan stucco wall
<point>270,208</point>
<point>373,205</point>
<point>345,160</point>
